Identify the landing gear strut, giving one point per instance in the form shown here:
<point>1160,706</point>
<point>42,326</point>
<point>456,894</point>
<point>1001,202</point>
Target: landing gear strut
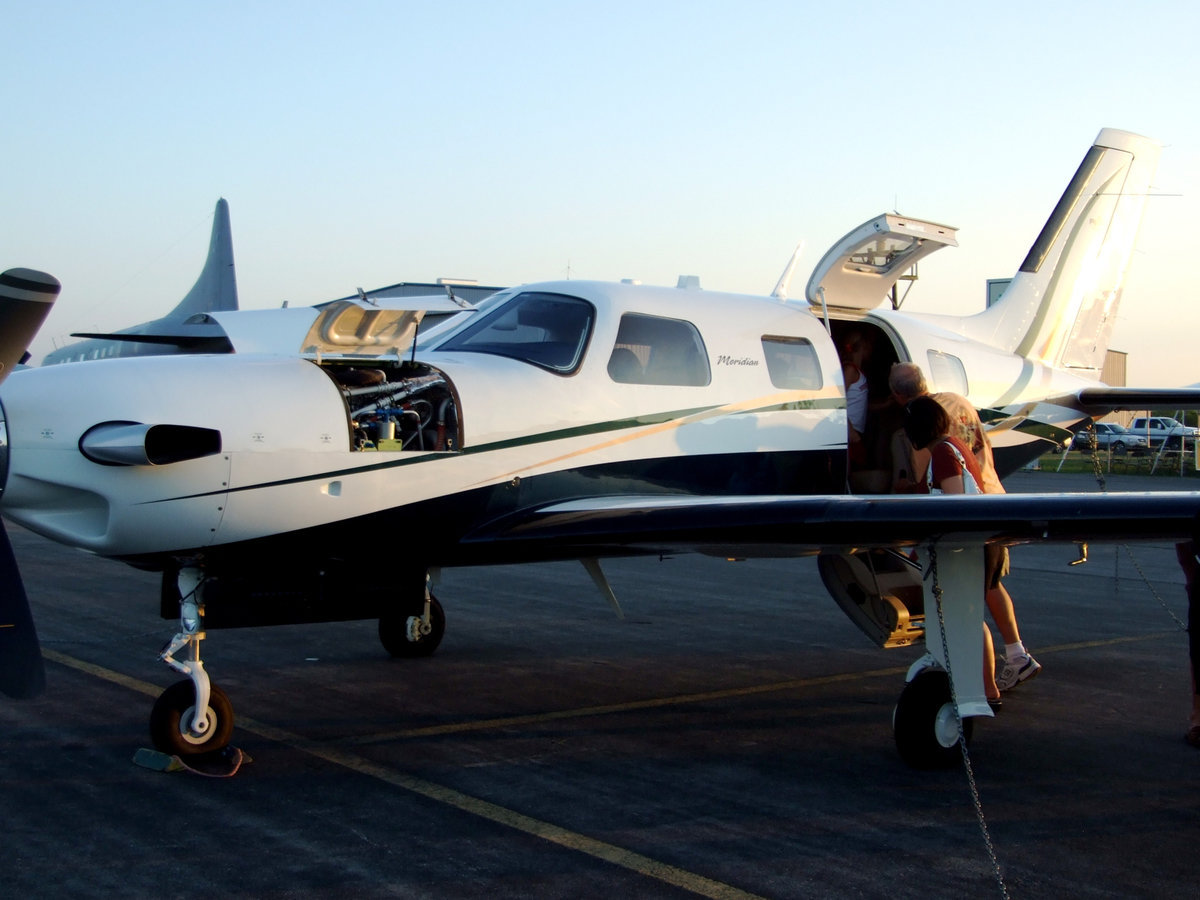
<point>414,629</point>
<point>190,717</point>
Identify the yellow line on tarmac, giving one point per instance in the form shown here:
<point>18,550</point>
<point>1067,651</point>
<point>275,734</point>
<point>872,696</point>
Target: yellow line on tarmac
<point>653,703</point>
<point>125,681</point>
<point>610,853</point>
<point>683,699</point>
<point>1106,642</point>
<point>618,856</point>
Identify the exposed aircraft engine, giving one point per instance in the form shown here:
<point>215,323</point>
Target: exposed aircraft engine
<point>409,407</point>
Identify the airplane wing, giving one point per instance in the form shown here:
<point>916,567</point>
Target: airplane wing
<point>797,525</point>
<point>939,526</point>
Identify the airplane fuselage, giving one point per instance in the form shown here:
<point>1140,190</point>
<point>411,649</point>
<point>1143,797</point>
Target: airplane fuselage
<point>519,406</point>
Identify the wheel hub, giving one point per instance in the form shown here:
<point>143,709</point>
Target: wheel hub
<point>188,730</point>
<point>945,725</point>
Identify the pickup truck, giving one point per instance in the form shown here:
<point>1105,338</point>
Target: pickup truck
<point>1157,429</point>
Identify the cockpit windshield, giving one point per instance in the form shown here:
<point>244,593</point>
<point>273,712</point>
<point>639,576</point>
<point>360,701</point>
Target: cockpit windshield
<point>546,330</point>
<point>433,332</point>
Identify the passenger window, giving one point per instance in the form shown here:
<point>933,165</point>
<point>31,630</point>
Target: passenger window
<point>546,330</point>
<point>947,373</point>
<point>792,363</point>
<point>652,350</point>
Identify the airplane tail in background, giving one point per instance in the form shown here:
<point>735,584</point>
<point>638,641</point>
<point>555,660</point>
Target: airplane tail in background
<point>216,288</point>
<point>1061,306</point>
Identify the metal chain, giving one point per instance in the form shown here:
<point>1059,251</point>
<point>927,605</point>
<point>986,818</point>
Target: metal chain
<point>1161,601</point>
<point>1129,550</point>
<point>962,738</point>
<point>1095,445</point>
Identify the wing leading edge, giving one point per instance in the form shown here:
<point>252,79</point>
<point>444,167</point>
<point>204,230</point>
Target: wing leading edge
<point>799,525</point>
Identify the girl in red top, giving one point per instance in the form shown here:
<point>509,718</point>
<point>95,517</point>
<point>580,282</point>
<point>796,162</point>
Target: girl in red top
<point>952,470</point>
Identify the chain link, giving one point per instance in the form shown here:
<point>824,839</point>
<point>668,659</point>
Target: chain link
<point>1128,550</point>
<point>1094,442</point>
<point>1157,596</point>
<point>962,738</point>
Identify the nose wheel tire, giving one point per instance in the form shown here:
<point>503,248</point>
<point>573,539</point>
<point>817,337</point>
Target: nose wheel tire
<point>925,723</point>
<point>397,631</point>
<point>171,720</point>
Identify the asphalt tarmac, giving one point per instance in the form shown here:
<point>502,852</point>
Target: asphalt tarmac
<point>730,737</point>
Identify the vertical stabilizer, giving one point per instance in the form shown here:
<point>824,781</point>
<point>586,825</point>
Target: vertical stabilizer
<point>216,288</point>
<point>1061,306</point>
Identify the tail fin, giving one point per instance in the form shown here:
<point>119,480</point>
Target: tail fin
<point>216,288</point>
<point>1061,306</point>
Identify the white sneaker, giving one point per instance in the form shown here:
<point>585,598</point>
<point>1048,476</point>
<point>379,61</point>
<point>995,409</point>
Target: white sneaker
<point>1013,673</point>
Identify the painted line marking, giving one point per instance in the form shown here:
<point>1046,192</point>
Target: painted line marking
<point>683,699</point>
<point>653,703</point>
<point>610,853</point>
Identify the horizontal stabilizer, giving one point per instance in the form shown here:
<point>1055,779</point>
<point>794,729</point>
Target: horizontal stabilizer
<point>1106,399</point>
<point>214,342</point>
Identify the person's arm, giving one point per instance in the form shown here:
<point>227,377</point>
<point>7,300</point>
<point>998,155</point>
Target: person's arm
<point>947,472</point>
<point>952,485</point>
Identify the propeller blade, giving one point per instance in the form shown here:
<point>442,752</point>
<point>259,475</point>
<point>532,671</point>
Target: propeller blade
<point>26,296</point>
<point>22,674</point>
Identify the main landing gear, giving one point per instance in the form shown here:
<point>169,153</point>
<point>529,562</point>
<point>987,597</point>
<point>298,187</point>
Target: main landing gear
<point>925,723</point>
<point>413,629</point>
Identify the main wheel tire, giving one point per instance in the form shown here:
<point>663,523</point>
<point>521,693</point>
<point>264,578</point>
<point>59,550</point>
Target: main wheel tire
<point>393,631</point>
<point>925,723</point>
<point>1118,448</point>
<point>174,707</point>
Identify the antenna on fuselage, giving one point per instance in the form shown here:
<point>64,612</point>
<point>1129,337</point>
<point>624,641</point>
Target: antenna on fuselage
<point>785,280</point>
<point>462,304</point>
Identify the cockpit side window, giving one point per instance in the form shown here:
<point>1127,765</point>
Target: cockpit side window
<point>792,363</point>
<point>546,330</point>
<point>654,350</point>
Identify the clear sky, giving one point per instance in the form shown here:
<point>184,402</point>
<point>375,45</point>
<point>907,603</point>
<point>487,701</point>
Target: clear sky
<point>365,143</point>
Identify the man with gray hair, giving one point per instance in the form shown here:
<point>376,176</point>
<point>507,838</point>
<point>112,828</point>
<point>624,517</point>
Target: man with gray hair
<point>909,465</point>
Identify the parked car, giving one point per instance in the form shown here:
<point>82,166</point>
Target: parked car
<point>1163,428</point>
<point>1113,437</point>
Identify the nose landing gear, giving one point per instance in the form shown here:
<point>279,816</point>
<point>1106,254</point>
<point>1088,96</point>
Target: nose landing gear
<point>192,717</point>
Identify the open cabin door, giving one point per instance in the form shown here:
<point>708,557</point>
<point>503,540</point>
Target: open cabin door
<point>859,271</point>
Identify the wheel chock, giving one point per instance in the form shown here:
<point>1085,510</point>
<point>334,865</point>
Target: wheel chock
<point>223,763</point>
<point>157,761</point>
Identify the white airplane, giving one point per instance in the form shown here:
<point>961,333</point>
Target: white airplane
<point>188,328</point>
<point>578,420</point>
